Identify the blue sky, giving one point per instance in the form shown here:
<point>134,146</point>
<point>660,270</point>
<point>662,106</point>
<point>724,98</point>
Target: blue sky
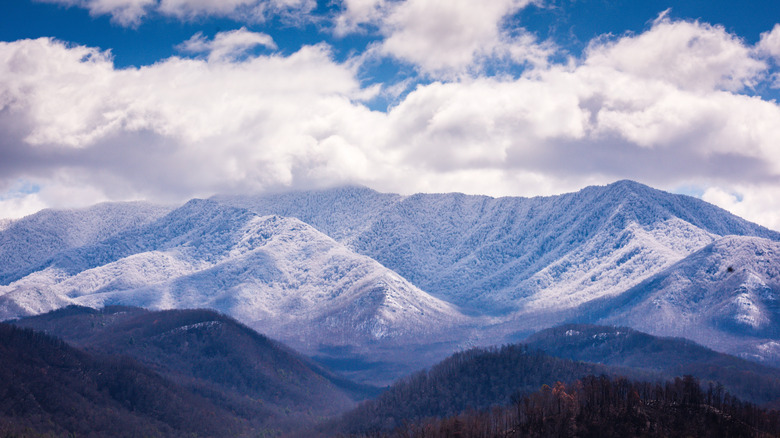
<point>170,99</point>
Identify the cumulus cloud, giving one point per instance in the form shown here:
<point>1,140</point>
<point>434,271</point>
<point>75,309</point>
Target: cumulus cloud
<point>359,12</point>
<point>183,126</point>
<point>236,120</point>
<point>227,45</point>
<point>124,12</point>
<point>690,55</point>
<point>20,206</point>
<point>64,193</point>
<point>445,37</point>
<point>770,43</point>
<point>760,203</point>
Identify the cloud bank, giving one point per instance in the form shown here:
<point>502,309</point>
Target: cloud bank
<point>670,107</point>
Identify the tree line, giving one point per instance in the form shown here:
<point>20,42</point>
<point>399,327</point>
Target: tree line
<point>601,406</point>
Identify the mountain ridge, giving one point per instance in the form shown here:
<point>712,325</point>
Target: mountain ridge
<point>491,253</point>
<point>29,241</point>
<point>436,272</point>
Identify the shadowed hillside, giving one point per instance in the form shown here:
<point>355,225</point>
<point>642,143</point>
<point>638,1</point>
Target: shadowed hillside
<point>214,356</point>
<point>669,357</point>
<point>48,387</point>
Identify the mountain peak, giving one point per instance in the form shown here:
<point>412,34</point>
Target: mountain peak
<point>627,184</point>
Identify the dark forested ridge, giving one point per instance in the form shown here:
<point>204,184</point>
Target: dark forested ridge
<point>670,357</point>
<point>213,356</point>
<point>48,387</point>
<point>604,407</point>
<point>476,379</point>
<point>488,380</point>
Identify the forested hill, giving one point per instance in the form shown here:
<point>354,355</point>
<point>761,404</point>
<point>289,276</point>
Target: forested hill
<point>214,356</point>
<point>211,352</point>
<point>477,378</point>
<point>670,357</point>
<point>605,408</point>
<point>485,378</point>
<point>50,388</point>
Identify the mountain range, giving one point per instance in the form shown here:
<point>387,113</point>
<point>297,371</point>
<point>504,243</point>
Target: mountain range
<point>498,255</point>
<point>380,284</point>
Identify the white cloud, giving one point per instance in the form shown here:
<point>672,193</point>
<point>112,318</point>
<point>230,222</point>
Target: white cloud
<point>64,93</point>
<point>192,127</point>
<point>181,127</point>
<point>756,203</point>
<point>770,43</point>
<point>17,207</point>
<point>124,12</point>
<point>446,37</point>
<point>769,46</point>
<point>482,123</point>
<point>252,11</point>
<point>64,193</point>
<point>227,45</point>
<point>690,55</point>
<point>358,12</point>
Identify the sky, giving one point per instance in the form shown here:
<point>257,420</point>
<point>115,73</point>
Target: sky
<point>166,100</point>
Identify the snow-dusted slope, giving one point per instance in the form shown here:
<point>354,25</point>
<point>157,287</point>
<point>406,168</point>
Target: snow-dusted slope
<point>725,296</point>
<point>342,213</point>
<point>276,274</point>
<point>516,254</point>
<point>26,243</point>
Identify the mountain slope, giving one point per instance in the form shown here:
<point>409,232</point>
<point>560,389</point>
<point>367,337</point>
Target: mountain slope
<point>400,270</point>
<point>507,254</point>
<point>725,296</point>
<point>342,212</point>
<point>26,243</point>
<point>481,379</point>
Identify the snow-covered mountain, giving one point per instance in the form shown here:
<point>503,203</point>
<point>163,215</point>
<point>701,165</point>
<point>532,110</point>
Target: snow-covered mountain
<point>725,296</point>
<point>26,243</point>
<point>350,272</point>
<point>342,213</point>
<point>502,255</point>
<point>278,275</point>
